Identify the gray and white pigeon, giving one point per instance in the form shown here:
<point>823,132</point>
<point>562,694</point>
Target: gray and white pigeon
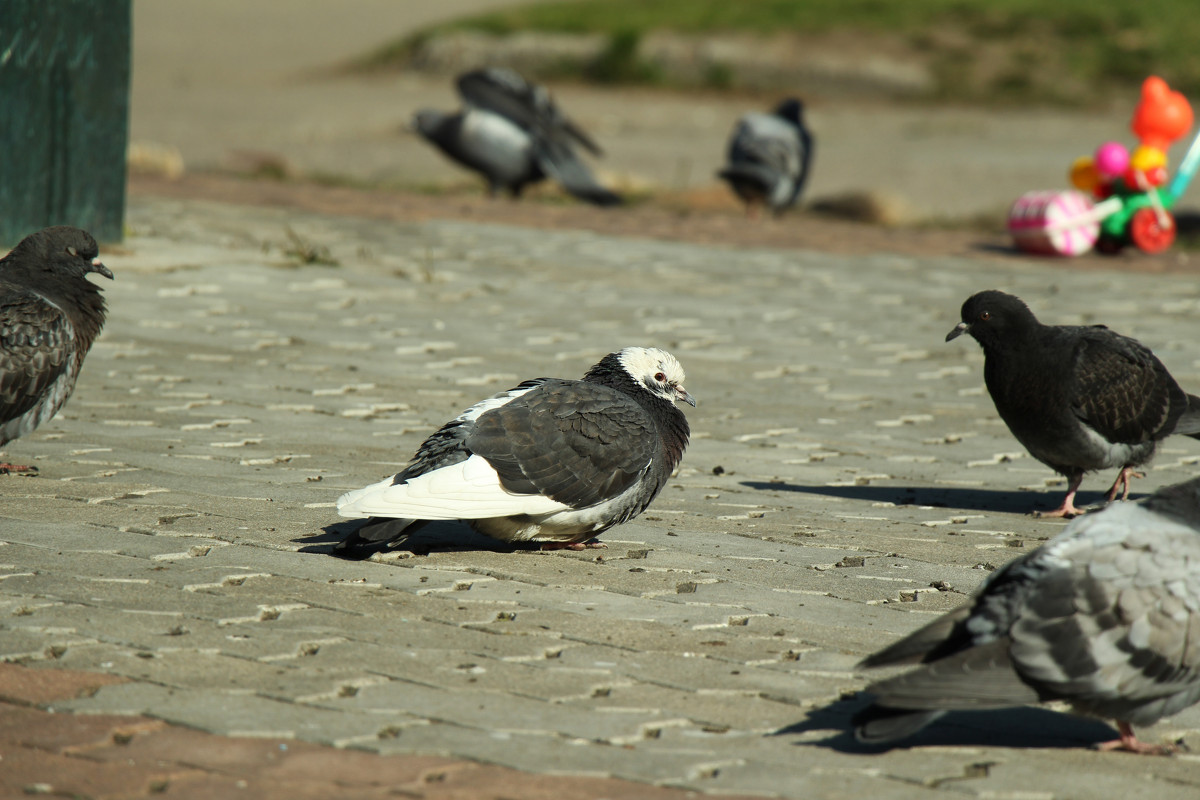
<point>1078,397</point>
<point>551,461</point>
<point>769,157</point>
<point>1105,616</point>
<point>513,133</point>
<point>50,314</point>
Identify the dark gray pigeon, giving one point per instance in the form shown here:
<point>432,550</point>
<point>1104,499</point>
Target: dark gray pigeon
<point>552,461</point>
<point>1105,616</point>
<point>769,157</point>
<point>1079,398</point>
<point>50,314</point>
<point>512,133</point>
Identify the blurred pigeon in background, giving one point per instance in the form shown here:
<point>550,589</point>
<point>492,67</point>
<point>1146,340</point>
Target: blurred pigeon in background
<point>552,461</point>
<point>1078,397</point>
<point>769,157</point>
<point>50,314</point>
<point>1105,616</point>
<point>512,133</point>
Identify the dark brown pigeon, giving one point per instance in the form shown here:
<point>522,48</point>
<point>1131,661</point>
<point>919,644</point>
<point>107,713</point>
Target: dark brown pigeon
<point>552,461</point>
<point>1078,397</point>
<point>1105,616</point>
<point>50,314</point>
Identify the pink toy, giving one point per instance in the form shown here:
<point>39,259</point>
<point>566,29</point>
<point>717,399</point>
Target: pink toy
<point>1054,223</point>
<point>1111,159</point>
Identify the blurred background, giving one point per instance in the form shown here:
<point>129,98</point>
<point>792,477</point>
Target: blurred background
<point>925,112</point>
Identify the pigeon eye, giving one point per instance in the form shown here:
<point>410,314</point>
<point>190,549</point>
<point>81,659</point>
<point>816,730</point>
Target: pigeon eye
<point>71,251</point>
<point>660,377</point>
<point>985,316</point>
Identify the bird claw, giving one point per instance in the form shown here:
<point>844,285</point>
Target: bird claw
<point>591,544</point>
<point>1065,511</point>
<point>1130,744</point>
<point>21,469</point>
<point>1122,482</point>
<point>1133,745</point>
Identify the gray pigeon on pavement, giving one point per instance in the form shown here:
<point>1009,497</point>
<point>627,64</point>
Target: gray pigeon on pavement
<point>1078,397</point>
<point>513,133</point>
<point>1105,616</point>
<point>551,461</point>
<point>50,314</point>
<point>769,157</point>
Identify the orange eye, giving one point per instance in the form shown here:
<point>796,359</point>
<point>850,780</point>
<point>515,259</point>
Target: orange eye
<point>660,377</point>
<point>985,316</point>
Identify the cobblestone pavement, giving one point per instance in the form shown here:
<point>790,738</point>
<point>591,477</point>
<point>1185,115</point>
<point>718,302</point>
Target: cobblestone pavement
<point>848,478</point>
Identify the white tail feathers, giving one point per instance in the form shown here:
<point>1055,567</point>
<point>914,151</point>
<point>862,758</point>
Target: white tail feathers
<point>469,489</point>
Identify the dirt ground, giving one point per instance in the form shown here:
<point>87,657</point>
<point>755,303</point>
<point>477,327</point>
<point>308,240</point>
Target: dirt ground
<point>684,219</point>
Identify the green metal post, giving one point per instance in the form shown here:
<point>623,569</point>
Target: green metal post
<point>64,115</point>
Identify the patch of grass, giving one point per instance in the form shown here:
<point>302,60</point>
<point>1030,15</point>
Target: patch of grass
<point>619,62</point>
<point>305,251</point>
<point>1099,45</point>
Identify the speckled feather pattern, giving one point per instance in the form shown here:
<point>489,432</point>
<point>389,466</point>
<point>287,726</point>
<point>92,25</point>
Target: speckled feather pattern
<point>1105,616</point>
<point>50,314</point>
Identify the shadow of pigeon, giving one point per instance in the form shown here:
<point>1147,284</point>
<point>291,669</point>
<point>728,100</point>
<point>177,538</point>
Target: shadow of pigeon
<point>1020,727</point>
<point>429,537</point>
<point>969,499</point>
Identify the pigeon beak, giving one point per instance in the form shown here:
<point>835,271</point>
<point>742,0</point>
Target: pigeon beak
<point>958,331</point>
<point>103,270</point>
<point>682,394</point>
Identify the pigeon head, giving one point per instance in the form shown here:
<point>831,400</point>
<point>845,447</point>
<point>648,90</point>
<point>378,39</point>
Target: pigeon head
<point>656,371</point>
<point>791,109</point>
<point>428,122</point>
<point>62,251</point>
<point>992,317</point>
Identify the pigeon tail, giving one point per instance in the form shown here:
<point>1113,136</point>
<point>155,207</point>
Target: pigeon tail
<point>1189,422</point>
<point>566,168</point>
<point>878,724</point>
<point>759,175</point>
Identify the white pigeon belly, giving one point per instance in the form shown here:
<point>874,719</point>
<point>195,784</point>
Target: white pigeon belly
<point>498,142</point>
<point>567,525</point>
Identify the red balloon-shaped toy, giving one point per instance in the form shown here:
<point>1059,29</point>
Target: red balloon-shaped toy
<point>1162,116</point>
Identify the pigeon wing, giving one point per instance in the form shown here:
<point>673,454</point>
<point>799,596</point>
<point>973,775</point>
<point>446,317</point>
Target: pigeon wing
<point>560,162</point>
<point>529,105</point>
<point>575,442</point>
<point>1119,631</point>
<point>769,140</point>
<point>1122,390</point>
<point>37,345</point>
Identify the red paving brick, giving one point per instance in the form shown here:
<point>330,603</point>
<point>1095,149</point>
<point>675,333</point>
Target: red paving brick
<point>110,757</point>
<point>37,687</point>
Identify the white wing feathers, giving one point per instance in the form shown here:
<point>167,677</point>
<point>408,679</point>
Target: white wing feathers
<point>468,490</point>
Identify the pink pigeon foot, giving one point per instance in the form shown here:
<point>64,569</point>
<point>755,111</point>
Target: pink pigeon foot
<point>1067,509</point>
<point>1123,481</point>
<point>588,545</point>
<point>1130,744</point>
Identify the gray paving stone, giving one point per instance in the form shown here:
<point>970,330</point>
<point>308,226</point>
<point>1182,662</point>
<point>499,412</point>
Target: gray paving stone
<point>845,460</point>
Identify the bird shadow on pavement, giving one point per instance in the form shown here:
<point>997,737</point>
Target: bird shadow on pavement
<point>431,536</point>
<point>968,499</point>
<point>1019,727</point>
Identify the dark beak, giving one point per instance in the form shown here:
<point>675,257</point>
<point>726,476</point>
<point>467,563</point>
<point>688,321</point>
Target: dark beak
<point>958,331</point>
<point>103,270</point>
<point>682,394</point>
